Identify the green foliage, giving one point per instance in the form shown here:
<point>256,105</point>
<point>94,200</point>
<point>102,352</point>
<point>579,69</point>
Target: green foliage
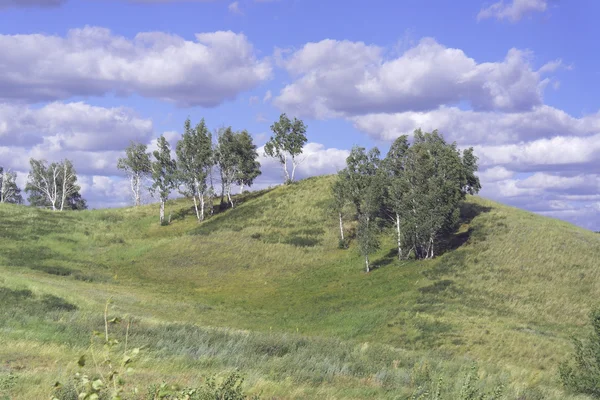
<point>287,142</point>
<point>417,187</point>
<point>113,362</point>
<point>298,322</point>
<point>164,174</point>
<point>138,167</point>
<point>229,389</point>
<point>582,373</point>
<point>54,186</point>
<point>9,191</point>
<point>195,160</point>
<point>469,389</point>
<point>236,158</point>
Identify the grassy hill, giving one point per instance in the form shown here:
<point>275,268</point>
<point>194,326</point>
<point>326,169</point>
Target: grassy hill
<point>264,288</point>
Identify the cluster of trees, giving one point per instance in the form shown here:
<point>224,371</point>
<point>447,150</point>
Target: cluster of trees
<point>48,185</point>
<point>232,158</point>
<point>416,188</point>
<point>54,186</point>
<point>226,157</point>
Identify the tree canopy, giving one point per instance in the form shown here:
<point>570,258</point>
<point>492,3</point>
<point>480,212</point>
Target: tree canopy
<point>287,143</point>
<point>138,167</point>
<point>54,185</point>
<point>417,187</point>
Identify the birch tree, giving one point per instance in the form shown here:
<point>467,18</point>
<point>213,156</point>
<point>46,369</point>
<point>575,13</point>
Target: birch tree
<point>194,160</point>
<point>164,174</point>
<point>286,144</point>
<point>249,168</point>
<point>435,179</point>
<point>395,164</point>
<point>137,165</point>
<point>9,191</point>
<point>339,202</point>
<point>68,183</point>
<point>362,180</point>
<point>52,185</point>
<point>227,157</point>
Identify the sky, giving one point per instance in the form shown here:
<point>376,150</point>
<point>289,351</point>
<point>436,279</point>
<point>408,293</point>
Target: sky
<point>518,80</point>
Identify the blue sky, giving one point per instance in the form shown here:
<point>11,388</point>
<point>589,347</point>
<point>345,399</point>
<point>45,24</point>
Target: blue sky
<point>516,79</point>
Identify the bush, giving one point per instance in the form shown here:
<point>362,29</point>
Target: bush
<point>343,243</point>
<point>105,380</point>
<point>581,374</point>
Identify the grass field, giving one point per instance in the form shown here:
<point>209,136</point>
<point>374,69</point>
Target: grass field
<point>264,288</point>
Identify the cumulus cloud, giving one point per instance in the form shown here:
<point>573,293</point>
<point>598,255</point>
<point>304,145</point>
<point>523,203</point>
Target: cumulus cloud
<point>513,10</point>
<point>342,78</point>
<point>90,136</point>
<point>485,127</point>
<point>316,160</point>
<point>92,61</point>
<point>71,126</point>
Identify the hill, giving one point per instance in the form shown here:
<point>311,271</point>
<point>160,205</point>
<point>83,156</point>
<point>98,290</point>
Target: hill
<point>264,288</point>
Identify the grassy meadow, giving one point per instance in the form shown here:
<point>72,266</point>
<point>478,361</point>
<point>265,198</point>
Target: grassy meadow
<point>263,288</point>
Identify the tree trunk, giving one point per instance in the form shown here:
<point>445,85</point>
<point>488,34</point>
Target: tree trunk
<point>138,199</point>
<point>293,170</point>
<point>285,170</point>
<point>229,195</point>
<point>341,226</point>
<point>399,236</point>
<point>432,247</point>
<point>242,188</point>
<point>196,207</point>
<point>367,262</point>
<point>201,207</point>
<point>162,211</point>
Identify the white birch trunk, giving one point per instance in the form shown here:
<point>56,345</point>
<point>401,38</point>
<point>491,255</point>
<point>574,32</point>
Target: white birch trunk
<point>367,262</point>
<point>54,196</point>
<point>136,190</point>
<point>201,206</point>
<point>399,236</point>
<point>196,207</point>
<point>341,226</point>
<point>242,188</point>
<point>64,189</point>
<point>285,169</point>
<point>294,165</point>
<point>162,211</point>
<point>2,184</point>
<point>229,195</point>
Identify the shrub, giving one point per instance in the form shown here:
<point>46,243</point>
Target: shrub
<point>581,374</point>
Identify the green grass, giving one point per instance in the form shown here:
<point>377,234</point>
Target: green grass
<point>264,288</point>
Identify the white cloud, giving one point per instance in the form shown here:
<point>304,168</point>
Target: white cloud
<point>260,118</point>
<point>494,174</point>
<point>71,126</point>
<point>93,61</point>
<point>560,152</point>
<point>472,127</point>
<point>234,7</point>
<point>317,160</point>
<point>513,10</point>
<point>342,78</point>
<point>267,97</point>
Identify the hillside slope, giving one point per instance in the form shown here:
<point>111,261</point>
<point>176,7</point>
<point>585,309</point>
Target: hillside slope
<point>508,295</point>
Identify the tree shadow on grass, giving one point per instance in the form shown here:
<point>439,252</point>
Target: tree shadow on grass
<point>454,240</point>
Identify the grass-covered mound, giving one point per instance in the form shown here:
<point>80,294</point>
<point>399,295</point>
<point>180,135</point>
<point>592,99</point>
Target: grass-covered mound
<point>263,287</point>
